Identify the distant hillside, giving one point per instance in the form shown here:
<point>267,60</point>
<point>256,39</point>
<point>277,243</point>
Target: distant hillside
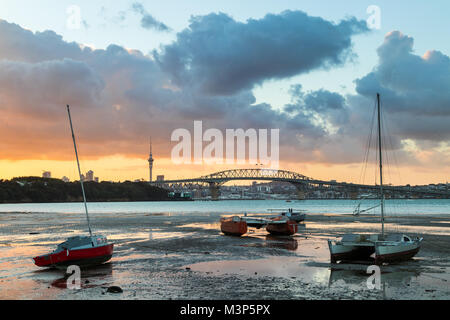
<point>35,189</point>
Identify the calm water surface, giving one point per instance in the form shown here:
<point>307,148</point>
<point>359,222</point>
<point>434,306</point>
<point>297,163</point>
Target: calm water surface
<point>394,207</point>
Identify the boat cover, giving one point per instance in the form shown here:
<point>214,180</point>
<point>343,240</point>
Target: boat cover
<point>74,242</point>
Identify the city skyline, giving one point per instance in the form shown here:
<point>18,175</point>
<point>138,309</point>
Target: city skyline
<point>133,69</point>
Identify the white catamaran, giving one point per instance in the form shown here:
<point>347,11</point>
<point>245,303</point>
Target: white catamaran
<point>387,248</point>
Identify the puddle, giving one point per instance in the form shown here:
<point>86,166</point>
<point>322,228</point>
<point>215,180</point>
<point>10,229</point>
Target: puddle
<point>287,267</point>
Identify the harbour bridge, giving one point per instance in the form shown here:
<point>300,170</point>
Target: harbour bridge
<point>301,182</point>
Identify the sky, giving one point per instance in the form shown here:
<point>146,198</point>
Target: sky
<point>135,69</point>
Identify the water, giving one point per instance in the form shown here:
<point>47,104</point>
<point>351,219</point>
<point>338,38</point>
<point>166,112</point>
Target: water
<point>175,250</point>
<point>432,207</point>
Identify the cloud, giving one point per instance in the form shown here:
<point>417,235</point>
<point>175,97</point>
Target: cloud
<point>225,56</point>
<point>18,44</point>
<point>147,20</point>
<point>415,89</point>
<point>55,82</point>
<point>119,97</point>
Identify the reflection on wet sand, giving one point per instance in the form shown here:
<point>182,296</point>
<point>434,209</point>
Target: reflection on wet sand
<point>287,243</point>
<point>359,277</point>
<point>90,277</point>
<point>281,242</point>
<point>387,284</point>
<point>154,251</point>
<point>280,266</point>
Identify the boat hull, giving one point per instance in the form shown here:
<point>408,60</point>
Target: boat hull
<point>283,229</point>
<point>81,257</point>
<point>395,253</point>
<point>344,252</point>
<point>231,227</point>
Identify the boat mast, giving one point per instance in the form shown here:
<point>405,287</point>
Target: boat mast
<point>381,166</point>
<point>79,172</point>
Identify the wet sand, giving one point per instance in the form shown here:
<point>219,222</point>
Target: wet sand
<point>185,256</point>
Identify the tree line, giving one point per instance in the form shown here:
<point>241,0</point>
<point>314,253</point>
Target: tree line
<point>36,189</point>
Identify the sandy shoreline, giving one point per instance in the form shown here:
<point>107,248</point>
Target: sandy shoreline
<point>184,256</point>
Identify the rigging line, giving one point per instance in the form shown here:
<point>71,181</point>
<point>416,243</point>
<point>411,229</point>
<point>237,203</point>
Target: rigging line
<point>367,151</point>
<point>389,162</point>
<point>393,152</point>
<point>386,164</point>
<point>386,148</point>
<point>393,209</point>
<point>376,159</point>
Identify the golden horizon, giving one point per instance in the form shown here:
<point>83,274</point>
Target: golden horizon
<point>122,168</point>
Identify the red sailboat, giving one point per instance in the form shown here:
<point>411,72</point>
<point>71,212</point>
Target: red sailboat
<point>80,250</point>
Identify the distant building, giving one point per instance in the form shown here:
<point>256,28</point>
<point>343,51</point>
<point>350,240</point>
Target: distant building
<point>65,179</point>
<point>150,161</point>
<point>96,179</point>
<point>46,174</point>
<point>160,178</point>
<point>90,175</point>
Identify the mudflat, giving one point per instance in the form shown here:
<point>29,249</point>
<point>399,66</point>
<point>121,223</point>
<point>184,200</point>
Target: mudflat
<point>185,256</point>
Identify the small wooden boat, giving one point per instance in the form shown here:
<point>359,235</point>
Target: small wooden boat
<point>233,226</point>
<point>296,215</point>
<point>282,226</point>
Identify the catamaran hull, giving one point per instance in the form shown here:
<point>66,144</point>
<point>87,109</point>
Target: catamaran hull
<point>79,257</point>
<point>395,253</point>
<point>342,252</point>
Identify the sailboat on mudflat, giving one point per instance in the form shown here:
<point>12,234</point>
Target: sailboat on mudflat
<point>385,247</point>
<point>79,250</point>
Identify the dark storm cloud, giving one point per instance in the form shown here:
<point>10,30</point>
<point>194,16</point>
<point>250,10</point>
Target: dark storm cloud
<point>147,20</point>
<point>225,56</point>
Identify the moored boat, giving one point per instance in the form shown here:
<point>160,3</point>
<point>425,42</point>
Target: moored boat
<point>233,226</point>
<point>396,247</point>
<point>79,250</point>
<point>295,215</point>
<point>282,226</point>
<point>352,247</point>
<point>387,248</point>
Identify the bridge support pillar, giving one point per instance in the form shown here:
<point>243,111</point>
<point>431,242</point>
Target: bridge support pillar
<point>214,188</point>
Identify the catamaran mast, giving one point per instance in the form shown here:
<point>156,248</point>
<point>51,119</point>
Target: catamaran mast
<point>79,172</point>
<point>381,166</point>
